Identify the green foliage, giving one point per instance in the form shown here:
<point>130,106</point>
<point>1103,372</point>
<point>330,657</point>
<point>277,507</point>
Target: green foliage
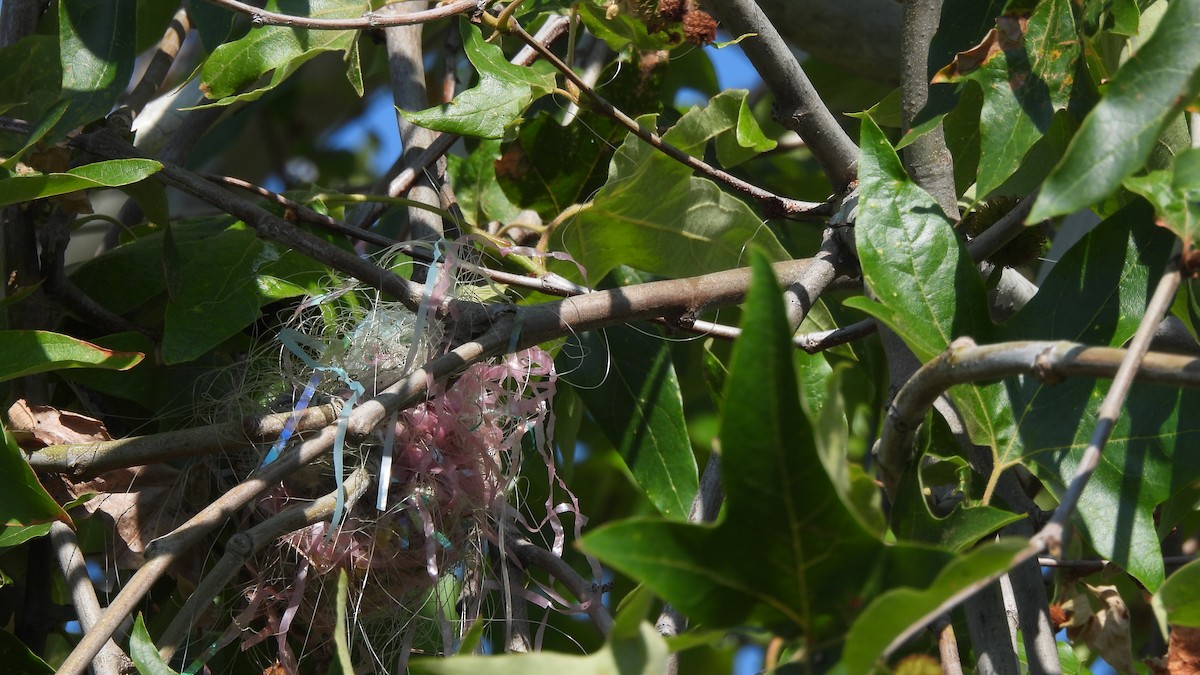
<point>488,109</point>
<point>112,173</point>
<point>640,409</point>
<point>1084,106</point>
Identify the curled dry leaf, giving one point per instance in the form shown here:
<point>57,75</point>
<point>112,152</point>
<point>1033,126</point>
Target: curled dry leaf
<point>36,426</point>
<point>1105,630</point>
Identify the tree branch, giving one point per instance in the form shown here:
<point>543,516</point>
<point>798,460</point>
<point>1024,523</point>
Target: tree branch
<point>797,104</point>
<point>111,660</point>
<point>927,158</point>
<point>262,17</point>
<point>245,544</point>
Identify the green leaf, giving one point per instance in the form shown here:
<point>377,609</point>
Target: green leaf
<point>926,286</point>
<point>25,352</point>
<point>111,173</point>
<point>1119,134</point>
<point>1175,194</point>
<point>548,166</point>
<point>491,106</point>
<point>895,611</point>
<point>18,659</point>
<point>639,407</point>
<point>39,132</point>
<point>97,43</point>
<point>1052,41</point>
<point>1097,294</point>
<point>642,654</point>
<point>107,277</point>
<point>1017,106</point>
<point>788,552</point>
<point>727,120</point>
<point>624,30</point>
<point>478,188</point>
<point>24,501</point>
<point>230,271</point>
<point>236,65</point>
<point>341,631</point>
<point>143,652</point>
<point>30,80</point>
<point>690,227</point>
<point>961,529</point>
<point>1179,596</point>
<point>17,535</point>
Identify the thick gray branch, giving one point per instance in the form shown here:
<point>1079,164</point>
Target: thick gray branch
<point>797,104</point>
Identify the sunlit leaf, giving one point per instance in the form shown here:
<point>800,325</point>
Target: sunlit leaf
<point>236,65</point>
<point>895,611</point>
<point>24,501</point>
<point>502,94</point>
<point>111,173</point>
<point>690,227</point>
<point>25,352</point>
<point>1179,596</point>
<point>144,653</point>
<point>1119,134</point>
<point>97,41</point>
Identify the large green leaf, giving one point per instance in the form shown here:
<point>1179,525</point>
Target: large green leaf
<point>97,43</point>
<point>24,501</point>
<point>895,611</point>
<point>1119,134</point>
<point>788,552</point>
<point>639,407</point>
<point>236,65</point>
<point>228,278</point>
<point>1097,294</point>
<point>502,94</point>
<point>1179,596</point>
<point>107,277</point>
<point>25,352</point>
<point>926,286</point>
<point>112,173</point>
<point>690,226</point>
<point>1016,108</point>
<point>1053,43</point>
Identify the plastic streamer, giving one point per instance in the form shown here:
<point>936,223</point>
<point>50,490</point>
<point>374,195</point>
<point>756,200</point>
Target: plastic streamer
<point>293,421</point>
<point>298,343</point>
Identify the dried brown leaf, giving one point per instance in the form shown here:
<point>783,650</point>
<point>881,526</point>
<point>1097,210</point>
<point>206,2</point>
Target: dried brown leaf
<point>1183,652</point>
<point>37,426</point>
<point>1104,630</point>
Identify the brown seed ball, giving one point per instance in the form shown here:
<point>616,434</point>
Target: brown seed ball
<point>671,10</point>
<point>699,27</point>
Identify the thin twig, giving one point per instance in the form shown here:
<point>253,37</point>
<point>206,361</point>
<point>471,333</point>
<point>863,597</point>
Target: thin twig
<point>407,169</point>
<point>1002,231</point>
<point>262,17</point>
<point>773,204</point>
<point>532,555</point>
<point>245,544</point>
<point>1095,566</point>
<point>827,339</point>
